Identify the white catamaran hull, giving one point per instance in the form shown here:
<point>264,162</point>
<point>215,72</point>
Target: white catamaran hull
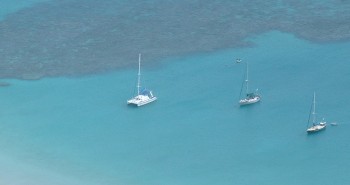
<point>249,101</point>
<point>141,100</point>
<point>143,97</point>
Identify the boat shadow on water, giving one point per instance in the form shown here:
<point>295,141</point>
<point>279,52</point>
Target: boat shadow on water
<point>138,107</point>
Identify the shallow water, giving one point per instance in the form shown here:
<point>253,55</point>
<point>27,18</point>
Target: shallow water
<point>13,6</point>
<point>80,131</point>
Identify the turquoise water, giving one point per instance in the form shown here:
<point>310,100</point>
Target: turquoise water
<point>80,131</point>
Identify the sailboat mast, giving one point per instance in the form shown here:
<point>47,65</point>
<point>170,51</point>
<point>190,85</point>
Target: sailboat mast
<point>139,76</point>
<point>314,110</point>
<point>246,81</point>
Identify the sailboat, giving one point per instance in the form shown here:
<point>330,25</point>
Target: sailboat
<point>143,97</point>
<point>250,97</point>
<point>315,126</point>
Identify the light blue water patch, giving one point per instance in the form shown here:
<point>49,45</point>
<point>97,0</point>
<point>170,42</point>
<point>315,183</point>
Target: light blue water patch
<point>11,6</point>
<point>195,133</point>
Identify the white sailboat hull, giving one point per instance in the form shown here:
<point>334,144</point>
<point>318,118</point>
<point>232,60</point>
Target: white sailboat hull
<point>248,101</point>
<point>141,100</point>
<point>251,97</point>
<point>317,127</point>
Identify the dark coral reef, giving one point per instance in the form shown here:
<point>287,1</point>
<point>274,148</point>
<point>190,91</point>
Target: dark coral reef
<point>77,37</point>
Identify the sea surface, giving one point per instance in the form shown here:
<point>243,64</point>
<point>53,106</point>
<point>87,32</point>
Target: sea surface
<point>79,131</point>
<point>11,6</point>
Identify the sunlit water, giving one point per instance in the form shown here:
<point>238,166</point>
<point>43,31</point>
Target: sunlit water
<point>80,130</point>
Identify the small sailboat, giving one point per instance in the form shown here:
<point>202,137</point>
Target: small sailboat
<point>143,97</point>
<point>250,97</point>
<point>315,126</point>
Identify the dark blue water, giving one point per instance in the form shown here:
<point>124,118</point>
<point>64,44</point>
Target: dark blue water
<point>82,37</point>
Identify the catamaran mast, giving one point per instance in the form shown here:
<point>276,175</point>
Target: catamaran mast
<point>139,76</point>
<point>314,110</point>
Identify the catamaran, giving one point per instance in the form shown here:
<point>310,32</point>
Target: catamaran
<point>250,97</point>
<point>143,97</point>
<point>315,126</point>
